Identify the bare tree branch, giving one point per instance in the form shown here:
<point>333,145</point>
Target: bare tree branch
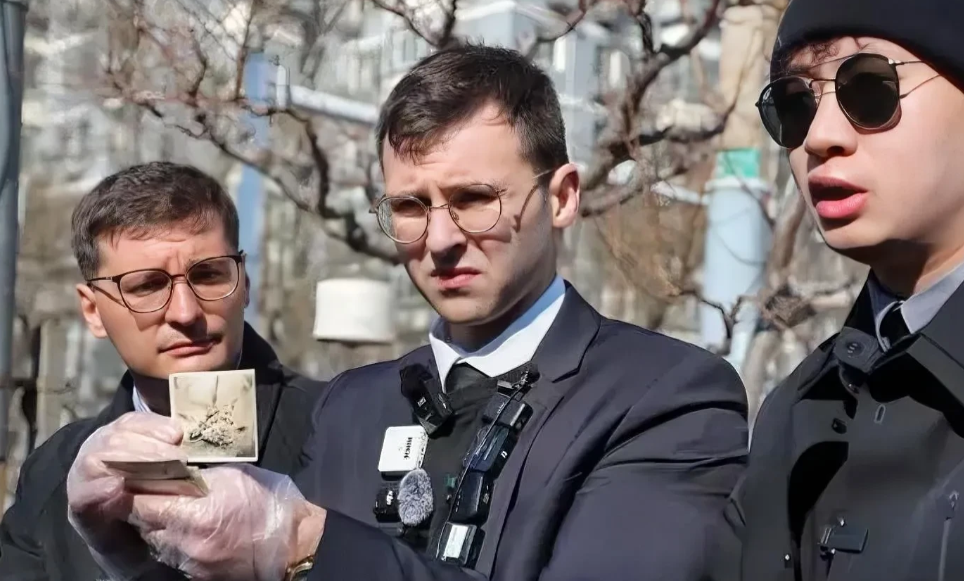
<point>440,38</point>
<point>613,147</point>
<point>727,315</point>
<point>187,107</point>
<point>605,199</point>
<point>241,59</point>
<point>194,106</point>
<point>528,46</point>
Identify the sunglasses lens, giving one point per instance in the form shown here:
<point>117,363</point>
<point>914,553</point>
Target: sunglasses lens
<point>787,107</point>
<point>868,91</point>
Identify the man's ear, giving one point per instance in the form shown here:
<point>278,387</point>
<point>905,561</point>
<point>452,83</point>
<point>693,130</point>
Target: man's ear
<point>564,196</point>
<point>90,311</point>
<point>247,290</point>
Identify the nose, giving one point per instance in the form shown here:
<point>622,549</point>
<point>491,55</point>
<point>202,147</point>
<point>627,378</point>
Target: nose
<point>831,133</point>
<point>443,233</point>
<point>184,308</point>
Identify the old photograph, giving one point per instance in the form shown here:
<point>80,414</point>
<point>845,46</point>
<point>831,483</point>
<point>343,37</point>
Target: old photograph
<point>218,413</point>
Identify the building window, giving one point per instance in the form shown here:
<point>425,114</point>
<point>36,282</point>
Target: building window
<point>409,49</point>
<point>543,55</point>
<point>406,48</point>
<point>615,75</point>
<point>397,45</point>
<point>366,76</point>
<point>611,68</point>
<point>559,53</point>
<point>422,48</point>
<point>365,72</point>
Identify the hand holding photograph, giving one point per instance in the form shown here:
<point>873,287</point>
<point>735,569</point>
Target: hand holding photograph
<point>160,477</point>
<point>218,412</point>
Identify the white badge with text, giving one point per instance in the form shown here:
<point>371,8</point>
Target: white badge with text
<point>402,450</point>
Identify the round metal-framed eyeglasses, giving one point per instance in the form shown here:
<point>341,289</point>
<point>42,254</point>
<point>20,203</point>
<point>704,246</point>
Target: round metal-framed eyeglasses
<point>474,209</point>
<point>149,290</point>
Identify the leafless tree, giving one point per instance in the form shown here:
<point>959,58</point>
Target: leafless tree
<point>656,245</point>
<point>183,62</point>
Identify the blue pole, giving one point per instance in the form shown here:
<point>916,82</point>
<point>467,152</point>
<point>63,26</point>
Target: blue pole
<point>250,198</point>
<point>736,247</point>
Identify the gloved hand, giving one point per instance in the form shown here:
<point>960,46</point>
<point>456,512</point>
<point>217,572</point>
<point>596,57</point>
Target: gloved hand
<point>98,506</point>
<point>246,528</point>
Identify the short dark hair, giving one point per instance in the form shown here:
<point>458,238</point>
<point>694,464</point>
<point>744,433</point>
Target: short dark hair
<point>449,86</point>
<point>143,198</point>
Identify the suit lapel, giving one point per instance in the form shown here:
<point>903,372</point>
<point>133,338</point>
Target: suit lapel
<point>861,318</point>
<point>421,356</point>
<point>558,357</point>
<point>267,380</point>
<point>258,355</point>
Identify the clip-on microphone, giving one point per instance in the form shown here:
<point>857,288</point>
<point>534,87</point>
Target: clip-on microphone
<point>431,407</point>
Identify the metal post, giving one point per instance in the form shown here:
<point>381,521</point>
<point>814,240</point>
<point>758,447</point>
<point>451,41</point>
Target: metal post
<point>12,18</point>
<point>251,190</point>
<point>736,248</point>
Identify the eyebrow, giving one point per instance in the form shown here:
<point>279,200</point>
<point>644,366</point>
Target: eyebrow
<point>799,70</point>
<point>193,261</point>
<point>497,185</point>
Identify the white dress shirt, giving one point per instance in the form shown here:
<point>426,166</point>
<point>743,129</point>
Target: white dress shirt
<point>513,347</point>
<point>139,404</point>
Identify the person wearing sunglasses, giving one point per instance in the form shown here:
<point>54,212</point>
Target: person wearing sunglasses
<point>164,281</point>
<point>568,445</point>
<point>857,459</point>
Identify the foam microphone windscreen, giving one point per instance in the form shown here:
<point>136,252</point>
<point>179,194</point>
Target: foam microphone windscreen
<point>415,499</point>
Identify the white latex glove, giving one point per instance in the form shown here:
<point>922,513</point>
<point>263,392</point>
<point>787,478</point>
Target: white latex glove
<point>243,530</point>
<point>98,505</point>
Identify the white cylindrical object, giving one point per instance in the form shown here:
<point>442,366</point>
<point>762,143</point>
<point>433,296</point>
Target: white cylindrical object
<point>738,239</point>
<point>354,310</point>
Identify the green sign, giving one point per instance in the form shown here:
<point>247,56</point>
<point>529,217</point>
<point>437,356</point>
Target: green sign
<point>741,163</point>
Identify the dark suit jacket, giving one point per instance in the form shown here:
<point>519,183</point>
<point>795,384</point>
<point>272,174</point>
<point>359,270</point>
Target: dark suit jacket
<point>36,541</point>
<point>636,441</point>
<point>801,440</point>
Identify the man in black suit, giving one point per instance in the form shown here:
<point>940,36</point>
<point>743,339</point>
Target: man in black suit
<point>857,464</point>
<point>157,245</point>
<point>633,440</point>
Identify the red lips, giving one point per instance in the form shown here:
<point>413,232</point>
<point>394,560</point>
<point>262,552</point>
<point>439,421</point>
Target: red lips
<point>835,198</point>
<point>190,347</point>
<point>454,278</point>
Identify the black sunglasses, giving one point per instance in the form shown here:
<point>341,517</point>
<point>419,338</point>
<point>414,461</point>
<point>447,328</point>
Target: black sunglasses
<point>868,92</point>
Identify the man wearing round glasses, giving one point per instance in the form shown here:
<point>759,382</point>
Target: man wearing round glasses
<point>857,464</point>
<point>556,444</point>
<point>149,290</point>
<point>157,245</point>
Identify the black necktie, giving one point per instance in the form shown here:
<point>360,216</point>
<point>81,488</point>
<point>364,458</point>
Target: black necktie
<point>893,328</point>
<point>462,375</point>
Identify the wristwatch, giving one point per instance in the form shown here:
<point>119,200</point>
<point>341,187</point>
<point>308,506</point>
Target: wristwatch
<point>299,571</point>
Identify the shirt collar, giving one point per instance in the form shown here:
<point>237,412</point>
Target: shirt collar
<point>139,404</point>
<point>513,347</point>
<point>920,308</point>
